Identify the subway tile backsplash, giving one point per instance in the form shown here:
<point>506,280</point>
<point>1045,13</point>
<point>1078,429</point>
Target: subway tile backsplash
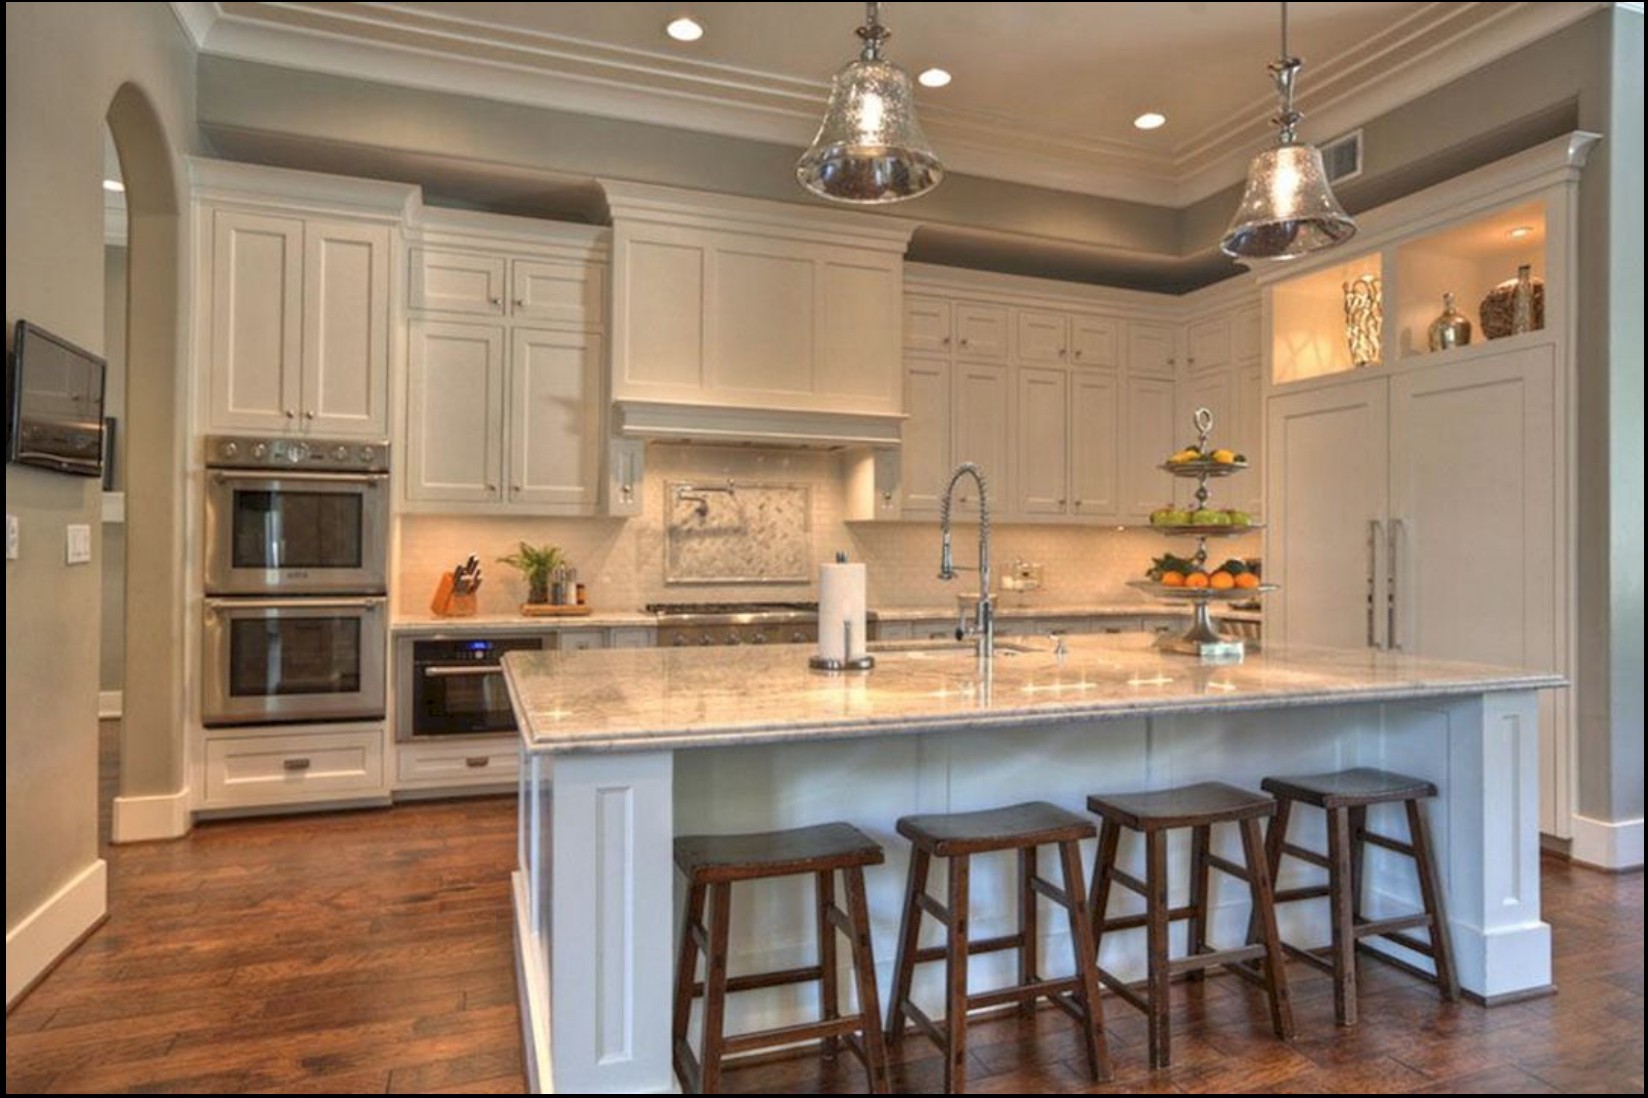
<point>623,564</point>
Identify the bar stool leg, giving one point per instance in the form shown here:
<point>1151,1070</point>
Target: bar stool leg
<point>1358,857</point>
<point>1341,887</point>
<point>869,1007</point>
<point>1098,900</point>
<point>715,988</point>
<point>829,999</point>
<point>1196,929</point>
<point>1156,919</point>
<point>1081,936</point>
<point>1027,926</point>
<point>1264,904</point>
<point>1430,889</point>
<point>909,935</point>
<point>686,974</point>
<point>955,977</point>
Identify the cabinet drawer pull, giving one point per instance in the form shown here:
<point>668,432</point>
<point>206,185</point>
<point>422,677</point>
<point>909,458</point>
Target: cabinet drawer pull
<point>295,764</point>
<point>476,762</point>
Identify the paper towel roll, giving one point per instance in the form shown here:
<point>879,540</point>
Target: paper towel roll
<point>841,589</point>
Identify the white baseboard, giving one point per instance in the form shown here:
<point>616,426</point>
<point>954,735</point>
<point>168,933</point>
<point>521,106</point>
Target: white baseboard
<point>141,819</point>
<point>1608,844</point>
<point>110,704</point>
<point>47,932</point>
<point>532,988</point>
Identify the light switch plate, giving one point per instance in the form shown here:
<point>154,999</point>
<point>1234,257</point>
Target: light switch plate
<point>79,537</point>
<point>14,537</point>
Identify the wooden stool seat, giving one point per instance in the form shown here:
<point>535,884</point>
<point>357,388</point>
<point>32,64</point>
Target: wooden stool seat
<point>1361,785</point>
<point>813,849</point>
<point>1033,823</point>
<point>958,836</point>
<point>1346,796</point>
<point>1186,806</point>
<point>711,864</point>
<point>1153,814</point>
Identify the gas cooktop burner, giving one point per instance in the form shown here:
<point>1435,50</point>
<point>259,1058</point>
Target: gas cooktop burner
<point>673,609</point>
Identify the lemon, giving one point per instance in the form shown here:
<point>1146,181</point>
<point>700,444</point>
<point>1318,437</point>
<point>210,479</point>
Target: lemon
<point>1225,457</point>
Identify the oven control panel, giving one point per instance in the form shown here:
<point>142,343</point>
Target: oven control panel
<point>321,455</point>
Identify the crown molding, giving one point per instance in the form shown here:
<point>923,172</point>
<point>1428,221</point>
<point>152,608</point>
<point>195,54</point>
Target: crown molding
<point>630,202</point>
<point>409,47</point>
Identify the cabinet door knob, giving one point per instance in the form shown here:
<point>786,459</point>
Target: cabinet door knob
<point>290,414</point>
<point>515,488</point>
<point>1077,353</point>
<point>520,303</point>
<point>491,487</point>
<point>1190,360</point>
<point>494,301</point>
<point>1061,503</point>
<point>1078,503</point>
<point>946,341</point>
<point>1063,352</point>
<point>1172,359</point>
<point>309,415</point>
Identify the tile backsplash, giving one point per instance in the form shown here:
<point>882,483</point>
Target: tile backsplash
<point>623,561</point>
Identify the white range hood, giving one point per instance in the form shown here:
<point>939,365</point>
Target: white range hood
<point>724,425</point>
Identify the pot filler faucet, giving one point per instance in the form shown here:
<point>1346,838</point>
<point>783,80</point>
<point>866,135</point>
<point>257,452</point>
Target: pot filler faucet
<point>983,628</point>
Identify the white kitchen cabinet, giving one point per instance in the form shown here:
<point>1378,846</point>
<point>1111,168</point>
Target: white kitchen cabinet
<point>1094,435</point>
<point>1246,335</point>
<point>1247,490</point>
<point>445,281</point>
<point>981,331</point>
<point>556,291</point>
<point>258,768</point>
<point>925,454</point>
<point>1328,460</point>
<point>1041,474</point>
<point>580,640</point>
<point>299,318</point>
<point>633,636</point>
<point>1152,348</point>
<point>927,323</point>
<point>472,761</point>
<point>1095,341</point>
<point>1041,336</point>
<point>554,458</point>
<point>1214,390</point>
<point>981,432</point>
<point>1208,343</point>
<point>1150,426</point>
<point>455,413</point>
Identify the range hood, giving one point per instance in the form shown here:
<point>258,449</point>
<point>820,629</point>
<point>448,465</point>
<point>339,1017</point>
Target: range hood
<point>721,424</point>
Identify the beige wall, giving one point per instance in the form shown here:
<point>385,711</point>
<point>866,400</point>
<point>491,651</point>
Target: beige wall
<point>112,660</point>
<point>622,562</point>
<point>64,65</point>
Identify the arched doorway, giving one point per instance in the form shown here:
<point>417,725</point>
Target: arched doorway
<point>152,801</point>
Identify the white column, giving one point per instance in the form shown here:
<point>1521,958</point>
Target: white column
<point>610,933</point>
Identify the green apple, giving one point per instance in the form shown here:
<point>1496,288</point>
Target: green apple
<point>1206,516</point>
<point>1239,518</point>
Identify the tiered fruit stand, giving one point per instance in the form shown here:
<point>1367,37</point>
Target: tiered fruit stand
<point>1203,639</point>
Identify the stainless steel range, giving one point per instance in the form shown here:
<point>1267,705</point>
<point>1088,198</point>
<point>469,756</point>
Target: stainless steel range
<point>731,623</point>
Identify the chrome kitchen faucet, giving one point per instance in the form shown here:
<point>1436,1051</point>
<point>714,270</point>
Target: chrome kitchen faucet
<point>984,617</point>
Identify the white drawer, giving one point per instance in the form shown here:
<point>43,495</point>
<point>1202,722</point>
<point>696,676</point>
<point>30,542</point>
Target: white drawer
<point>579,640</point>
<point>1114,625</point>
<point>633,636</point>
<point>317,764</point>
<point>489,761</point>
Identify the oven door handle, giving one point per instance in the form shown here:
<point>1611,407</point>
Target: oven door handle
<point>219,606</point>
<point>462,671</point>
<point>272,476</point>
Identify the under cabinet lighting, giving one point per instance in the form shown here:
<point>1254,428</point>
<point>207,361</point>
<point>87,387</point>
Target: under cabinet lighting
<point>1150,120</point>
<point>684,29</point>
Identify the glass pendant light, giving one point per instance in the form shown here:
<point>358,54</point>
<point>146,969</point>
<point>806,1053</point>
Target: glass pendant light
<point>1288,209</point>
<point>870,148</point>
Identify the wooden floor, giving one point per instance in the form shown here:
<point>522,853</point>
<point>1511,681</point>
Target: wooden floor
<point>370,951</point>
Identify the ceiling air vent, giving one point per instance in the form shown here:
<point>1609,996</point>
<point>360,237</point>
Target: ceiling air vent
<point>1343,157</point>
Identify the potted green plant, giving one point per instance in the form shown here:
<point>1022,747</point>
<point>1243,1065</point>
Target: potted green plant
<point>537,563</point>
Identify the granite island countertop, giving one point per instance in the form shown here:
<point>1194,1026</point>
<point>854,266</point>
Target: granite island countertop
<point>676,698</point>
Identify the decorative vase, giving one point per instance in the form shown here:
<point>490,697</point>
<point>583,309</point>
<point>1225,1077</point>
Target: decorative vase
<point>1514,306</point>
<point>537,588</point>
<point>1451,329</point>
<point>1364,319</point>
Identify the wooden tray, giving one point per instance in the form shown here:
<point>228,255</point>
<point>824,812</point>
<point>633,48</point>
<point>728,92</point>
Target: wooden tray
<point>547,610</point>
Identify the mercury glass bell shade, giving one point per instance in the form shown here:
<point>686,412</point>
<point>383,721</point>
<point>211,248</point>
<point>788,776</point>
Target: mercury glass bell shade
<point>870,148</point>
<point>1288,209</point>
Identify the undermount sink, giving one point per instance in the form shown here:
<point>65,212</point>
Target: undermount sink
<point>940,646</point>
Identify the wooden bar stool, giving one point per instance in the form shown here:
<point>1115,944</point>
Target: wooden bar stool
<point>711,863</point>
<point>1197,807</point>
<point>1346,796</point>
<point>958,836</point>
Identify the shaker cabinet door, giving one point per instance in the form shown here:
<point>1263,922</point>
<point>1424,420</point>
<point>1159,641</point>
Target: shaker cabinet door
<point>455,422</point>
<point>555,420</point>
<point>257,321</point>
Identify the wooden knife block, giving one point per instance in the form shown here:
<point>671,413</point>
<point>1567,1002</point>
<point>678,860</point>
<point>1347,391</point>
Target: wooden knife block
<point>450,603</point>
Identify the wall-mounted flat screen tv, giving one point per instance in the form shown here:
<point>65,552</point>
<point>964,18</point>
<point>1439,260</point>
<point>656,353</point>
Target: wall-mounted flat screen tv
<point>54,394</point>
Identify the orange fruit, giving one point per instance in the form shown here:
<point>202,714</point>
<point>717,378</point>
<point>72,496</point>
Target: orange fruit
<point>1221,581</point>
<point>1247,581</point>
<point>1196,579</point>
<point>1173,579</point>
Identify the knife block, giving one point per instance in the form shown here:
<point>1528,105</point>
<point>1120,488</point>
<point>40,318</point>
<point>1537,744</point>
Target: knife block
<point>450,603</point>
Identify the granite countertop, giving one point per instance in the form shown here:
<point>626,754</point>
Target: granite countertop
<point>672,698</point>
<point>504,623</point>
<point>1009,607</point>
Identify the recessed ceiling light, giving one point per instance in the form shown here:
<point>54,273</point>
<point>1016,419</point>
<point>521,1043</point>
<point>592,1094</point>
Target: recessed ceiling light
<point>1150,120</point>
<point>684,29</point>
<point>1520,231</point>
<point>934,78</point>
<point>113,185</point>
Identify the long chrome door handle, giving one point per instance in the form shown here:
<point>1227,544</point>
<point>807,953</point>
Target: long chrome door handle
<point>461,672</point>
<point>1398,535</point>
<point>1376,535</point>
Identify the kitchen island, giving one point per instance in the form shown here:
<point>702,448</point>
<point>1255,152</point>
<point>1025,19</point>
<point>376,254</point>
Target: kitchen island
<point>623,750</point>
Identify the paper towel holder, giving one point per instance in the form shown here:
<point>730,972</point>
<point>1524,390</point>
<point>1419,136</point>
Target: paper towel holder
<point>832,665</point>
